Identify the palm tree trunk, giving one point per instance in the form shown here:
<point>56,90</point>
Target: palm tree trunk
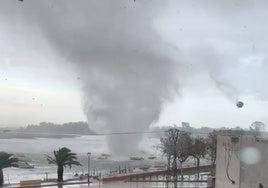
<point>181,171</point>
<point>213,160</point>
<point>60,173</point>
<point>1,177</point>
<point>198,164</point>
<point>175,172</point>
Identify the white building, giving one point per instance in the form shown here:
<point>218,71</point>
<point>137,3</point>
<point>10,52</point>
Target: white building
<point>242,160</point>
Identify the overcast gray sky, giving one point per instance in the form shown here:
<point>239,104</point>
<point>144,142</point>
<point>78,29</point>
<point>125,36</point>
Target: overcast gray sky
<point>159,61</point>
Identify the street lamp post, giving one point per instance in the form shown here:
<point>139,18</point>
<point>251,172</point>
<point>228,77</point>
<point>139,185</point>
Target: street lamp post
<point>88,166</point>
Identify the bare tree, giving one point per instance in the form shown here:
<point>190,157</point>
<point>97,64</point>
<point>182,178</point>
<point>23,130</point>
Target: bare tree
<point>166,149</point>
<point>212,146</point>
<point>176,146</point>
<point>183,149</point>
<point>212,149</point>
<point>257,126</point>
<point>198,151</point>
<point>169,145</point>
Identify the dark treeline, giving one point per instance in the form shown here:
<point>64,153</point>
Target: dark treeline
<point>66,128</point>
<point>257,125</point>
<point>184,127</point>
<point>47,130</point>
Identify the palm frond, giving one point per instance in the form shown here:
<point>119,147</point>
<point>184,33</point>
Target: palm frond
<point>63,157</point>
<point>70,163</point>
<point>51,160</point>
<point>7,160</point>
<point>70,157</point>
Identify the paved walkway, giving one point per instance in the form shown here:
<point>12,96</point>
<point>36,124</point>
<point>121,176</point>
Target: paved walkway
<point>49,184</point>
<point>143,175</point>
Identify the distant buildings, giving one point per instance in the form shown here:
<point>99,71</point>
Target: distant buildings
<point>242,160</point>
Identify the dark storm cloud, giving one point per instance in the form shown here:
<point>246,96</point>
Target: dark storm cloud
<point>127,70</point>
<point>225,40</point>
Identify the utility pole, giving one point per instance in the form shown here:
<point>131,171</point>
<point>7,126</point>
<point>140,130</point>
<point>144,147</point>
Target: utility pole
<point>46,175</point>
<point>88,166</point>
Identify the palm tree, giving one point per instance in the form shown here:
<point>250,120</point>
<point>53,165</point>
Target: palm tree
<point>199,150</point>
<point>63,158</point>
<point>6,160</point>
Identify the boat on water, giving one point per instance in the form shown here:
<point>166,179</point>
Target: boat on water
<point>102,158</point>
<point>145,167</point>
<point>136,158</point>
<point>106,155</point>
<point>152,157</point>
<point>24,165</point>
